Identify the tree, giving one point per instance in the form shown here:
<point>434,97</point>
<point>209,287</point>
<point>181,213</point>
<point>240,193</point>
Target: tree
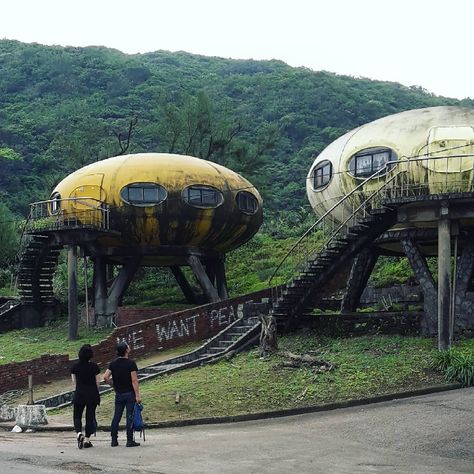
<point>8,236</point>
<point>194,129</point>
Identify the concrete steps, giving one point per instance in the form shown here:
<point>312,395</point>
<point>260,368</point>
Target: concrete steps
<point>235,337</point>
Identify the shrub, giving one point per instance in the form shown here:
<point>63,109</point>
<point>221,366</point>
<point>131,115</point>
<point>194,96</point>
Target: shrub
<point>457,366</point>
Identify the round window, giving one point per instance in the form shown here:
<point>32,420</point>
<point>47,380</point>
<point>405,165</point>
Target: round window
<point>322,174</point>
<point>203,196</point>
<point>367,162</point>
<point>143,194</point>
<point>247,202</point>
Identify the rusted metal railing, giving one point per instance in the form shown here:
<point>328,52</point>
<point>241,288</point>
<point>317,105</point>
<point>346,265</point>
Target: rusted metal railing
<point>397,179</point>
<point>69,213</point>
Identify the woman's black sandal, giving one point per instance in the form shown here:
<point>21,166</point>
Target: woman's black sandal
<point>80,440</point>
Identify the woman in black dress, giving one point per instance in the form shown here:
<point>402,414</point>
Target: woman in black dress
<point>85,377</point>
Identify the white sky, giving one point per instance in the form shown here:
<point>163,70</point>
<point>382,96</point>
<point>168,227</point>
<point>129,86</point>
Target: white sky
<point>428,43</point>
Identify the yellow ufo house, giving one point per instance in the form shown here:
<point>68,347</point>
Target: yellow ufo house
<point>152,209</point>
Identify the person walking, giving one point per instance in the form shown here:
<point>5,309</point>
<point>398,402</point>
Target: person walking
<point>122,375</point>
<point>85,377</point>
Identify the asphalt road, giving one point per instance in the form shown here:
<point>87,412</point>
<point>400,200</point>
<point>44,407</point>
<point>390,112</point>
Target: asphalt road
<point>427,434</point>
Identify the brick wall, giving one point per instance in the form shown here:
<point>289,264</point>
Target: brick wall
<point>144,337</point>
<point>15,375</point>
<point>131,315</point>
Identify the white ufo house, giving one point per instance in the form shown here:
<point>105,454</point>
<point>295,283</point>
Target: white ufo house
<point>435,145</point>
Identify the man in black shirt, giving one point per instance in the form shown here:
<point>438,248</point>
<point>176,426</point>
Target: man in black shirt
<point>123,372</point>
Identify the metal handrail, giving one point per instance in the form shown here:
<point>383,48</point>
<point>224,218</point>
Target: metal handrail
<point>76,199</point>
<point>64,216</point>
<point>330,238</point>
<point>387,168</point>
<point>381,171</point>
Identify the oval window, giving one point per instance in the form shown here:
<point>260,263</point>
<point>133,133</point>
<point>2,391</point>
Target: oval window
<point>322,174</point>
<point>143,194</point>
<point>367,162</point>
<point>55,203</point>
<point>203,196</point>
<point>247,202</point>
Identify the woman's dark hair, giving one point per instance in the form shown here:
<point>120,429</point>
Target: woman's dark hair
<point>85,353</point>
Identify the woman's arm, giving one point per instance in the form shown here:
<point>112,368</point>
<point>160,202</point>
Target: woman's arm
<point>73,378</point>
<point>97,380</point>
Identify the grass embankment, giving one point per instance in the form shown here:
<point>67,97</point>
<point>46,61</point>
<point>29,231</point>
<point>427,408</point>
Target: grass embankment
<point>26,344</point>
<point>364,367</point>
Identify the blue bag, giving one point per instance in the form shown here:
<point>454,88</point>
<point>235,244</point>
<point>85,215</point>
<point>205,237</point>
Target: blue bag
<point>137,420</point>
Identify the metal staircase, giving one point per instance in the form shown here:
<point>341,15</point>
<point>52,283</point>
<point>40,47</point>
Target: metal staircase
<point>47,224</point>
<point>312,267</point>
<point>37,263</point>
<point>235,337</point>
<point>323,253</point>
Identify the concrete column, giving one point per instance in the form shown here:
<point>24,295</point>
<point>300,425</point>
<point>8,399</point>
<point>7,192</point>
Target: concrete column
<point>444,279</point>
<point>72,291</point>
<point>183,283</point>
<point>425,279</point>
<point>360,273</point>
<point>100,287</point>
<point>221,280</point>
<point>464,297</point>
<point>203,279</point>
<point>120,285</point>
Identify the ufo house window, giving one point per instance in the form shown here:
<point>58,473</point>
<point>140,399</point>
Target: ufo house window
<point>143,194</point>
<point>55,203</point>
<point>247,202</point>
<point>203,196</point>
<point>322,174</point>
<point>367,162</point>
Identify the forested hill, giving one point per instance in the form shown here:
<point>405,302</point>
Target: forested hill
<point>61,108</point>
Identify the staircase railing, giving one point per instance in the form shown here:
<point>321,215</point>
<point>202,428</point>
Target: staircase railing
<point>357,204</point>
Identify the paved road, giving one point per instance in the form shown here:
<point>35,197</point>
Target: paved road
<point>428,434</point>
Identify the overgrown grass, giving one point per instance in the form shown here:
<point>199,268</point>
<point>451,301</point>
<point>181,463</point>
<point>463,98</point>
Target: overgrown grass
<point>457,363</point>
<point>26,344</point>
<point>364,367</point>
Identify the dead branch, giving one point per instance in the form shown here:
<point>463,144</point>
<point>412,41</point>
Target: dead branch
<point>295,361</point>
<point>124,142</point>
<point>268,334</point>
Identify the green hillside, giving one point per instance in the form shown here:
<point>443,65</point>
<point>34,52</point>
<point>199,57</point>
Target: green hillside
<point>63,107</point>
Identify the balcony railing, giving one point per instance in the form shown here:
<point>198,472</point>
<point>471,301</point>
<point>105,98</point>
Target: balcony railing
<point>70,213</point>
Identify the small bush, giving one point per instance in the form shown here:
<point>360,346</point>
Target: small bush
<point>457,366</point>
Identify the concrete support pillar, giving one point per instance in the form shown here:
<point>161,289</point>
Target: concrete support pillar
<point>211,272</point>
<point>444,279</point>
<point>72,292</point>
<point>425,280</point>
<point>360,273</point>
<point>119,286</point>
<point>221,280</point>
<point>464,297</point>
<point>183,283</point>
<point>100,286</point>
<point>203,279</point>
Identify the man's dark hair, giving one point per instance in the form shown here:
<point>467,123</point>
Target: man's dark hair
<point>122,348</point>
<point>85,353</point>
